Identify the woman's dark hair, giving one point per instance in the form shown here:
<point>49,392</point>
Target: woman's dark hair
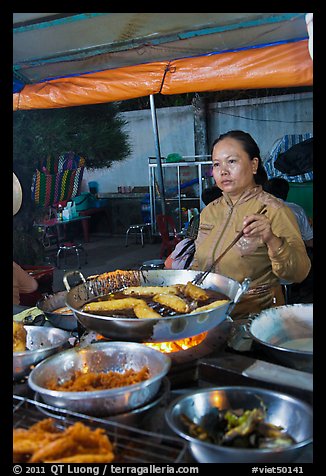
<point>252,149</point>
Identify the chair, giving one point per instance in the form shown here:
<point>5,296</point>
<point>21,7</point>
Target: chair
<point>68,247</point>
<point>168,232</point>
<point>139,230</point>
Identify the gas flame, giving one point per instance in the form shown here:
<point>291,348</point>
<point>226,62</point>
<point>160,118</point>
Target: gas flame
<point>177,345</point>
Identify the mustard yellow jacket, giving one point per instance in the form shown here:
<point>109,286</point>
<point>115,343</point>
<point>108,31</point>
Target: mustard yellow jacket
<point>220,222</point>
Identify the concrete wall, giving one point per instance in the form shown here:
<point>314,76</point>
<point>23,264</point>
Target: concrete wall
<point>176,135</point>
<point>266,119</point>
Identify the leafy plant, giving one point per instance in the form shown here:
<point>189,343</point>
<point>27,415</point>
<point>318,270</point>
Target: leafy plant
<point>94,132</point>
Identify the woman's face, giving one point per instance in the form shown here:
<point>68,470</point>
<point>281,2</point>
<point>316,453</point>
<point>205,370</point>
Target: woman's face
<point>233,171</point>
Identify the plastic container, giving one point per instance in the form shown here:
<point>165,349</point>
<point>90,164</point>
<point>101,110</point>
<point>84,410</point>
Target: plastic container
<point>84,201</point>
<point>302,194</point>
<point>93,187</point>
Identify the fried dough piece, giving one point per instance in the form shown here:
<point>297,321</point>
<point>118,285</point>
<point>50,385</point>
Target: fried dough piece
<point>84,458</point>
<point>149,290</point>
<point>26,442</point>
<point>212,305</point>
<point>170,300</point>
<point>112,305</point>
<point>195,292</point>
<point>143,311</point>
<point>19,337</point>
<point>76,440</point>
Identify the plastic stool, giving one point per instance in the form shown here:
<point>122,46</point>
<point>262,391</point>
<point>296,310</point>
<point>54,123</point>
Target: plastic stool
<point>139,230</point>
<point>66,248</point>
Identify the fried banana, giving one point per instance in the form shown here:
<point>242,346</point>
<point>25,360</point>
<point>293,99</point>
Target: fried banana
<point>212,305</point>
<point>195,292</point>
<point>149,290</point>
<point>172,301</point>
<point>112,305</point>
<point>144,311</point>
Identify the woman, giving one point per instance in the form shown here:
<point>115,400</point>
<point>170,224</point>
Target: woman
<point>271,247</point>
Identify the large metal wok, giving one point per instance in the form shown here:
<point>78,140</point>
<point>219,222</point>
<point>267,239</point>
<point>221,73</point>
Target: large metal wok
<point>152,330</point>
<point>49,305</point>
<point>286,334</point>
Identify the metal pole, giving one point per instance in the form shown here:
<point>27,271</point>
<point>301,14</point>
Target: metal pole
<point>158,155</point>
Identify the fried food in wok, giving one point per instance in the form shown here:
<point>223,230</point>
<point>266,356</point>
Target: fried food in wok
<point>144,311</point>
<point>175,302</point>
<point>112,305</point>
<point>76,444</point>
<point>19,337</point>
<point>195,292</point>
<point>145,302</point>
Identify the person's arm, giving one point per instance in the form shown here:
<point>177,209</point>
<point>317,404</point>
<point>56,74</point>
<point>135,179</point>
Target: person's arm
<point>24,282</point>
<point>286,249</point>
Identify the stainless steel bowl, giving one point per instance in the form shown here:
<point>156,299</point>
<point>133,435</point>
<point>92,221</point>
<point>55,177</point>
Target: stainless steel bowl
<point>139,417</point>
<point>286,333</point>
<point>50,303</point>
<point>101,357</point>
<point>41,342</point>
<point>293,415</point>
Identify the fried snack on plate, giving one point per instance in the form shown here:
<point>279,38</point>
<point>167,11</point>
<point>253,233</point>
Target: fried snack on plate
<point>170,300</point>
<point>76,441</point>
<point>112,305</point>
<point>26,442</point>
<point>149,290</point>
<point>212,305</point>
<point>84,458</point>
<point>19,337</point>
<point>143,311</point>
<point>195,292</point>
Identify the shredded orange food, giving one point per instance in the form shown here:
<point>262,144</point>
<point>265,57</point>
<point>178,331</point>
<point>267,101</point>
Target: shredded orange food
<point>91,381</point>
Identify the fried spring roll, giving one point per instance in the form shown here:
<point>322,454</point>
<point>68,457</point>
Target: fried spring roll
<point>212,305</point>
<point>112,305</point>
<point>175,302</point>
<point>144,311</point>
<point>195,292</point>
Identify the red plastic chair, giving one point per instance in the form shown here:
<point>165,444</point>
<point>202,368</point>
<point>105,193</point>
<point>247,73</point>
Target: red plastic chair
<point>168,232</point>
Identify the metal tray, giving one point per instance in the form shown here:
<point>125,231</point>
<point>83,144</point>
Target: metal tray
<point>132,445</point>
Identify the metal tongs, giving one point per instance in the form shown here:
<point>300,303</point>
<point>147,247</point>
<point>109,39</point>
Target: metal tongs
<point>200,277</point>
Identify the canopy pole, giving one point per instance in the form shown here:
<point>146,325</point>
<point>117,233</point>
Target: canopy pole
<point>158,155</point>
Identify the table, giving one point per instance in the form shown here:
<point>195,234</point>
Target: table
<point>54,222</point>
<point>90,212</point>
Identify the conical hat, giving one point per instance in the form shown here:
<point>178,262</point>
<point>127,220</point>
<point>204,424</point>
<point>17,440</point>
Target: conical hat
<point>17,194</point>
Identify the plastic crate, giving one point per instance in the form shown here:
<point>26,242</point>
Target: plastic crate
<point>302,194</point>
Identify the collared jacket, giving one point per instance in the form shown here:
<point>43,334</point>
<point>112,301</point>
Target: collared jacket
<point>221,221</point>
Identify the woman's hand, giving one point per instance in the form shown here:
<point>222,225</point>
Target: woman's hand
<point>258,226</point>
